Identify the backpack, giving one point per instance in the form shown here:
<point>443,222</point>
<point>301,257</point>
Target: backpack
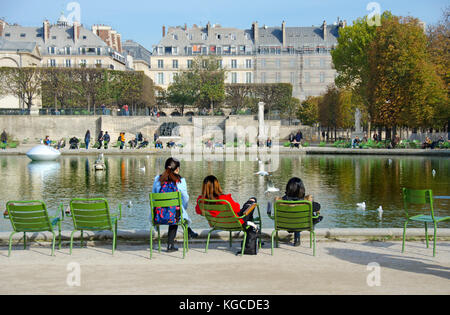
<point>251,243</point>
<point>167,215</point>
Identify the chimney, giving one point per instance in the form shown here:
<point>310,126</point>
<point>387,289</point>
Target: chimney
<point>46,29</point>
<point>163,31</point>
<point>283,31</point>
<point>76,31</point>
<point>324,27</point>
<point>2,27</point>
<point>119,43</point>
<point>208,29</point>
<point>185,26</point>
<point>255,31</point>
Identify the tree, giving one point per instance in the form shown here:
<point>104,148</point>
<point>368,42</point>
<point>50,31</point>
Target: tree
<point>308,111</point>
<point>237,96</point>
<point>351,59</point>
<point>184,90</point>
<point>404,86</point>
<point>24,83</point>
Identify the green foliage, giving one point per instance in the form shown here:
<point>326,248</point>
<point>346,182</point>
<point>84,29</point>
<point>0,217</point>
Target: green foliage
<point>322,144</point>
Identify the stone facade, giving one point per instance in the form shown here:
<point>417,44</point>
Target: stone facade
<point>297,55</point>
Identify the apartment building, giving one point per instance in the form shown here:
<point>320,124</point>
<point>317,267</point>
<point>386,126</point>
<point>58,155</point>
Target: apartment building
<point>297,55</point>
<point>67,44</point>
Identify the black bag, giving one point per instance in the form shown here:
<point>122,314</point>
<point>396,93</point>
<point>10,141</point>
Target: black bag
<point>251,243</point>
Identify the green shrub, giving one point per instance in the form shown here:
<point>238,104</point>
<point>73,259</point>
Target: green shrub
<point>305,144</point>
<point>286,144</point>
<point>13,145</point>
<point>322,144</point>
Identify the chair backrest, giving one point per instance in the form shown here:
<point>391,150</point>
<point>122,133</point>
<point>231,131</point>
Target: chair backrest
<point>28,216</point>
<point>90,214</point>
<point>168,199</point>
<point>220,215</point>
<point>295,216</point>
<point>417,197</point>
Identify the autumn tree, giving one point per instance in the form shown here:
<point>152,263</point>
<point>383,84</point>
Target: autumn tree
<point>24,83</point>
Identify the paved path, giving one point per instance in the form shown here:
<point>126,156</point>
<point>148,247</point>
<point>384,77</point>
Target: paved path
<point>338,268</point>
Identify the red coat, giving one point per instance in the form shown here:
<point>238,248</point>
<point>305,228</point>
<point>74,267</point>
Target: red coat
<point>236,207</point>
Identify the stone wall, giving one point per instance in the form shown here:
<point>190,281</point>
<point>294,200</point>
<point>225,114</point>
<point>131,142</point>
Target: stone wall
<point>199,128</point>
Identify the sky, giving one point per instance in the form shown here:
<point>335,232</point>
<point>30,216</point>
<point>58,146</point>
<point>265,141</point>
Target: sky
<point>142,21</point>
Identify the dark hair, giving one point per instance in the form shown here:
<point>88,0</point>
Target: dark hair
<point>295,188</point>
<point>169,174</point>
<point>211,188</point>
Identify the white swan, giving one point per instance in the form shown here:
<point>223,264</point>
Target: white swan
<point>361,205</point>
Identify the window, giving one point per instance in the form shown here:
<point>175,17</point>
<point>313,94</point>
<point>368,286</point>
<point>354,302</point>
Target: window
<point>99,51</point>
<point>52,62</point>
<point>68,63</point>
<point>160,64</point>
<point>248,63</point>
<point>307,77</point>
<point>277,77</point>
<point>233,63</point>
<point>53,37</point>
<point>278,63</point>
<point>51,50</point>
<point>263,77</point>
<point>263,63</point>
<point>83,62</point>
<point>234,77</point>
<point>189,63</point>
<point>322,63</point>
<point>160,78</point>
<point>248,77</point>
<point>175,64</point>
<point>292,63</point>
<point>307,63</point>
<point>292,78</point>
<point>8,35</point>
<point>82,50</point>
<point>175,50</point>
<point>67,50</point>
<point>22,35</point>
<point>322,77</point>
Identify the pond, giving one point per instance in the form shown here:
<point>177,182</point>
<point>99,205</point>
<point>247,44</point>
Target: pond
<point>338,183</point>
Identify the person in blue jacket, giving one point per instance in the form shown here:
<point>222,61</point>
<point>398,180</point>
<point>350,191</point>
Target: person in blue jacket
<point>171,175</point>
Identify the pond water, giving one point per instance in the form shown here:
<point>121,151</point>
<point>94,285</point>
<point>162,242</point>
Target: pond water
<point>338,183</point>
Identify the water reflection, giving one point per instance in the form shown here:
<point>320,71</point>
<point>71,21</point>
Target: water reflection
<point>338,183</point>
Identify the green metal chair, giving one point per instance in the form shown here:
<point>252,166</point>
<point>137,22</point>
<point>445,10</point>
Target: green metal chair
<point>93,215</point>
<point>420,197</point>
<point>170,199</point>
<point>31,216</point>
<point>294,216</point>
<point>220,216</point>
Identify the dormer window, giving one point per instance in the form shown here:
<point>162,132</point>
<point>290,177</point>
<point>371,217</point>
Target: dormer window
<point>22,35</point>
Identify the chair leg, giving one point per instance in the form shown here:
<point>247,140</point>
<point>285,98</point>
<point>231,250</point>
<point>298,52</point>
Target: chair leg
<point>71,241</point>
<point>114,241</point>
<point>314,250</point>
<point>10,243</point>
<point>434,240</point>
<point>53,243</point>
<point>81,239</point>
<point>159,240</point>
<point>404,236</point>
<point>24,240</point>
<point>59,232</point>
<point>151,241</point>
<point>207,240</point>
<point>115,228</point>
<point>273,237</point>
<point>231,239</point>
<point>426,235</point>
<point>243,244</point>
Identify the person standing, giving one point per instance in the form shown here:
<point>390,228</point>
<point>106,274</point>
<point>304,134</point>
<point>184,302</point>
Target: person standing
<point>122,140</point>
<point>106,140</point>
<point>4,139</point>
<point>87,139</point>
<point>100,140</point>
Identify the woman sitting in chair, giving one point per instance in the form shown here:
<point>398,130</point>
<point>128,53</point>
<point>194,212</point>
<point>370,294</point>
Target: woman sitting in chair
<point>211,190</point>
<point>171,179</point>
<point>295,191</point>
